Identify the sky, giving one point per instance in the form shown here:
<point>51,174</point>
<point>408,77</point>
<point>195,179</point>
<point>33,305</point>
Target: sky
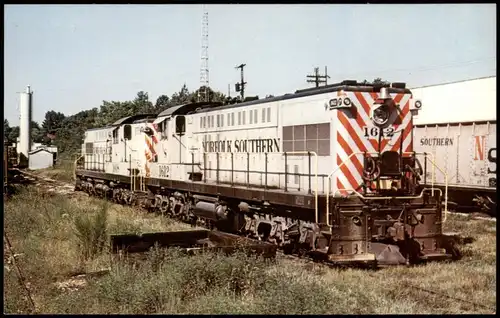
<point>76,56</point>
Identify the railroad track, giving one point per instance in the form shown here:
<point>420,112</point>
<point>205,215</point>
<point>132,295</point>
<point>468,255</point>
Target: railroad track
<point>49,185</point>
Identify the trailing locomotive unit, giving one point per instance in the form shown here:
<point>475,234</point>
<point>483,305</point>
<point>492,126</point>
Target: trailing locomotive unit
<point>328,171</point>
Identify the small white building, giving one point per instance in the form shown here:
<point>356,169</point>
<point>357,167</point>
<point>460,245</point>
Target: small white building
<point>37,145</point>
<point>41,158</point>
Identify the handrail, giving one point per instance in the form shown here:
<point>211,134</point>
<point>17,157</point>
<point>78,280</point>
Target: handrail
<point>137,178</point>
<point>315,173</point>
<point>445,190</point>
<point>132,179</point>
<point>413,197</point>
<point>433,179</point>
<point>329,178</point>
<point>433,174</point>
<point>315,177</point>
<point>386,198</point>
<point>75,164</point>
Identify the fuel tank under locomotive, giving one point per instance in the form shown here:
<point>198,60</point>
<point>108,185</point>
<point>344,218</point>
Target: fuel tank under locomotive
<point>217,212</point>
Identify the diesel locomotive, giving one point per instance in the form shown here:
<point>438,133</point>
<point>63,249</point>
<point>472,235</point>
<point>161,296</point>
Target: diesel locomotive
<point>329,172</point>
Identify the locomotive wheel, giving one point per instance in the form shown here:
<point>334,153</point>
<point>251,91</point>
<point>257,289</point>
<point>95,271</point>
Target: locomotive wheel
<point>164,206</point>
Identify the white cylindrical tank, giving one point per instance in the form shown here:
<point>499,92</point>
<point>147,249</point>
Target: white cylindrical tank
<point>25,107</point>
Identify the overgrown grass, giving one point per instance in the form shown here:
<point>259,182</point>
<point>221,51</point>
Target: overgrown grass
<point>91,232</point>
<point>43,228</point>
<point>62,170</point>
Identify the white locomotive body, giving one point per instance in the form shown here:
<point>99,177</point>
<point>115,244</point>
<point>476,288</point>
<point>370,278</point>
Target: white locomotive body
<point>296,169</point>
<point>237,144</point>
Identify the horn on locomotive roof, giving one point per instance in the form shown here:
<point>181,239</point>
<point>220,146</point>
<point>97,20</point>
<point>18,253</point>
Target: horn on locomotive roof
<point>384,93</point>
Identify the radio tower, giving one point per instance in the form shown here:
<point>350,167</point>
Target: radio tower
<point>203,93</point>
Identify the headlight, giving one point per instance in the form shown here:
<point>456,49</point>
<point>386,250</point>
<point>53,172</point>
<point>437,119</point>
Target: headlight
<point>381,115</point>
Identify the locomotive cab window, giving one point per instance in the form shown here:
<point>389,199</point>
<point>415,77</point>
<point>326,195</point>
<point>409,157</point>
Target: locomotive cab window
<point>115,135</point>
<point>180,125</point>
<point>164,129</point>
<point>127,132</point>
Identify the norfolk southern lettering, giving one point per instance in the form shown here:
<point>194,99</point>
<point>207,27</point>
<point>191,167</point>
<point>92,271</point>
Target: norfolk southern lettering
<point>248,145</point>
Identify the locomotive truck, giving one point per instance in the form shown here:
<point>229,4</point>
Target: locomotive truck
<point>329,172</point>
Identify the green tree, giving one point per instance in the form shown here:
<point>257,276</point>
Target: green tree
<point>378,80</point>
<point>213,96</point>
<point>53,121</point>
<point>13,134</point>
<point>162,103</point>
<point>10,133</point>
<point>70,137</point>
<point>181,97</point>
<point>112,111</point>
<point>142,103</point>
<point>37,134</point>
<point>52,124</point>
<point>71,129</point>
<point>6,129</point>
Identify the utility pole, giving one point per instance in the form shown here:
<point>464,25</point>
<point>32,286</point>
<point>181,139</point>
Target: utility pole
<point>203,92</point>
<point>318,79</point>
<point>240,87</point>
<point>326,76</point>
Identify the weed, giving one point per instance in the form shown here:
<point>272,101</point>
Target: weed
<point>91,233</point>
<point>62,170</point>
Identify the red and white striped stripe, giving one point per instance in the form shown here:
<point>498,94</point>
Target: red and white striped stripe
<point>150,147</point>
<point>351,135</point>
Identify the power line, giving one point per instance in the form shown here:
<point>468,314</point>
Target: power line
<point>423,69</point>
